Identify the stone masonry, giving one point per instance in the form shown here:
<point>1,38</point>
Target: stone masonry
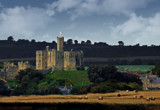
<point>58,59</point>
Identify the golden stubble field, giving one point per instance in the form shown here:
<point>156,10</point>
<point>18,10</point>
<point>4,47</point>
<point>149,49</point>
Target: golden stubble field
<point>108,98</point>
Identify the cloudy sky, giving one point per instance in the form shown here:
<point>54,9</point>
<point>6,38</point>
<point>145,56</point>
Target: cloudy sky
<point>132,21</point>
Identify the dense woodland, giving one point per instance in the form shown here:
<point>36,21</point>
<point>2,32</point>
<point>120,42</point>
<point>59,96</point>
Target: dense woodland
<point>26,49</point>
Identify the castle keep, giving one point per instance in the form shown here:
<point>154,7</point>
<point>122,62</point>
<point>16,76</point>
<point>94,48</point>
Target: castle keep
<point>58,59</point>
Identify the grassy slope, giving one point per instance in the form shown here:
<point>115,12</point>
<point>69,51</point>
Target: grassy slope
<point>78,78</point>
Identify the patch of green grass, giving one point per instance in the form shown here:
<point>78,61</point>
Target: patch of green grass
<point>142,68</point>
<point>78,78</point>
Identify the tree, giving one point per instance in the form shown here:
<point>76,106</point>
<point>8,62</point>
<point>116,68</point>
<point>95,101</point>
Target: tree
<point>135,86</point>
<point>28,80</point>
<point>20,75</point>
<point>128,78</point>
<point>88,42</point>
<point>121,43</point>
<point>75,41</point>
<point>4,90</point>
<point>69,41</point>
<point>33,41</point>
<point>98,74</point>
<point>45,88</point>
<point>54,42</point>
<point>83,42</point>
<point>10,38</point>
<point>156,70</point>
<point>33,82</point>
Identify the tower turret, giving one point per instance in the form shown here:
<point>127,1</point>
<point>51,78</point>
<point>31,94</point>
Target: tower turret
<point>60,41</point>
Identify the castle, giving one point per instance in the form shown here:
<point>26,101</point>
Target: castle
<point>10,70</point>
<point>58,59</point>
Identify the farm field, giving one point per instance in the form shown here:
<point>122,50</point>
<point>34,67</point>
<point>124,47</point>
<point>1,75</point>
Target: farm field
<point>109,98</point>
<point>142,68</point>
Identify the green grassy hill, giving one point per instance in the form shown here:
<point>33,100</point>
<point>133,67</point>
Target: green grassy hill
<point>78,78</point>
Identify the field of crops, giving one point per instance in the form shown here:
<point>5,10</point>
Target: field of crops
<point>143,68</point>
<point>108,98</point>
<point>78,78</point>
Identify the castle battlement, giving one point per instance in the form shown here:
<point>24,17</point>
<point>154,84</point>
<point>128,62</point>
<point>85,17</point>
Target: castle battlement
<point>58,59</point>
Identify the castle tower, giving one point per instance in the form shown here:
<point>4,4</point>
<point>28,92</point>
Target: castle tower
<point>60,41</point>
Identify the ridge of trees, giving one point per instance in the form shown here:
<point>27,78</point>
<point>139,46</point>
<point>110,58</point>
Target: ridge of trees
<point>10,39</point>
<point>23,48</point>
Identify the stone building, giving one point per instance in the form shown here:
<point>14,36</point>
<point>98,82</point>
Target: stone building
<point>23,65</point>
<point>58,59</point>
<point>10,70</point>
<point>150,82</point>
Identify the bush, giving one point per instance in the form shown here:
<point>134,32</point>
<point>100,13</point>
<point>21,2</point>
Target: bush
<point>27,82</point>
<point>45,88</point>
<point>124,86</point>
<point>98,74</point>
<point>135,86</point>
<point>4,90</point>
<point>156,70</point>
<point>106,87</point>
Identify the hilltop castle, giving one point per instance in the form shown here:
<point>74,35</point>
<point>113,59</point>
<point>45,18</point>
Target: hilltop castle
<point>58,59</point>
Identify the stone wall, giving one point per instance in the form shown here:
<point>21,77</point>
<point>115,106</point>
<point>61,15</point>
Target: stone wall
<point>79,58</point>
<point>39,59</point>
<point>60,60</point>
<point>51,58</point>
<point>23,65</point>
<point>10,70</point>
<point>69,60</point>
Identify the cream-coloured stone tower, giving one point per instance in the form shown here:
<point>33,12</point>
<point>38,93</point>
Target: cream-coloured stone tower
<point>60,41</point>
<point>58,59</point>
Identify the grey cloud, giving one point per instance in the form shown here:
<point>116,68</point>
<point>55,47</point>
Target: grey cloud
<point>22,21</point>
<point>138,30</point>
<point>87,7</point>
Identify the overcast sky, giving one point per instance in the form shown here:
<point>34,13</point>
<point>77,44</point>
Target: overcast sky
<point>132,21</point>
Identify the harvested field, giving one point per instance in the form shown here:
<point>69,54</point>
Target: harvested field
<point>108,98</point>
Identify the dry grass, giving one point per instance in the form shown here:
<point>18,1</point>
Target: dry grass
<point>108,98</point>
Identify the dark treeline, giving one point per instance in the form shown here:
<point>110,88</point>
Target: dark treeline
<point>24,48</point>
